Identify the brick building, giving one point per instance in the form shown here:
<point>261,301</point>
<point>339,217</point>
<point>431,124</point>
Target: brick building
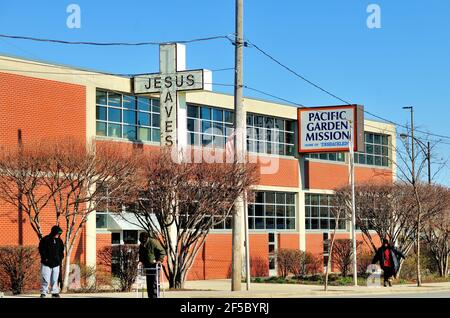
<point>292,206</point>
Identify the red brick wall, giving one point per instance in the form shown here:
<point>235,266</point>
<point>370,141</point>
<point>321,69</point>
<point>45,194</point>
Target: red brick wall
<point>320,175</point>
<point>42,109</point>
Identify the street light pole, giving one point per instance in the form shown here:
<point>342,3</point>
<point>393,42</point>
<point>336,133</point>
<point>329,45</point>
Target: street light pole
<point>413,181</point>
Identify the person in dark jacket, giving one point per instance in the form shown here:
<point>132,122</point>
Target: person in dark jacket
<point>150,254</point>
<point>51,249</point>
<point>389,258</point>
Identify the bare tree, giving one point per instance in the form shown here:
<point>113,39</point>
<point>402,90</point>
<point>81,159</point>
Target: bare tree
<point>343,255</point>
<point>21,181</point>
<point>68,175</point>
<point>178,203</point>
<point>341,211</point>
<point>436,233</point>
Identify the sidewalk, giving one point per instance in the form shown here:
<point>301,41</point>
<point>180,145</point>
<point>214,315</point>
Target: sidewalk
<point>221,289</point>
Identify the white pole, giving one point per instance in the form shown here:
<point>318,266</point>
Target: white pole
<point>352,181</point>
<point>247,245</point>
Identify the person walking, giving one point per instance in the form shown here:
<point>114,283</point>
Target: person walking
<point>51,250</point>
<point>389,258</point>
<point>151,255</point>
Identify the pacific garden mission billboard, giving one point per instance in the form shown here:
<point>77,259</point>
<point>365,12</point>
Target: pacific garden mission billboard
<point>329,128</point>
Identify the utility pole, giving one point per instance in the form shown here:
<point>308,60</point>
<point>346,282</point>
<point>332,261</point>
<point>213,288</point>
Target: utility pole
<point>352,182</point>
<point>239,151</point>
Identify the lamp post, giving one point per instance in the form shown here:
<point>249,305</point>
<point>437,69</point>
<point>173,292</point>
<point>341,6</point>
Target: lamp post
<point>413,181</point>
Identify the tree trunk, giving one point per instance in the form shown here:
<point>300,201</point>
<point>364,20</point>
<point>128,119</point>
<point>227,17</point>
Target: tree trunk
<point>67,269</point>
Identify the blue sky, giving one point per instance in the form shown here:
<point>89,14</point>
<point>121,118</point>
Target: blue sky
<point>406,62</point>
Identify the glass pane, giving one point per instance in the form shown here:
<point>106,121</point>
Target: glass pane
<point>270,210</point>
<point>341,156</point>
<point>259,197</point>
<point>314,224</point>
<point>377,139</point>
<point>218,129</point>
<point>369,138</point>
<point>369,159</point>
<point>290,198</point>
<point>324,224</point>
<point>114,99</point>
<point>289,138</point>
<point>217,114</point>
<point>385,162</point>
<point>129,132</point>
<point>129,117</point>
<point>143,103</point>
<point>342,224</point>
<point>307,198</point>
<point>279,124</point>
<point>249,120</point>
<point>190,125</point>
<point>314,199</point>
<point>270,197</point>
<point>280,224</point>
<point>192,111</point>
<point>385,140</point>
<point>129,102</point>
<point>280,211</point>
<point>229,116</point>
<point>258,121</point>
<point>145,134</point>
<point>206,113</point>
<point>155,106</point>
<point>290,224</point>
<point>251,223</point>
<point>101,113</point>
<point>332,156</point>
<point>259,223</point>
<point>314,211</point>
<point>323,199</point>
<point>251,210</point>
<point>114,115</point>
<point>377,150</point>
<point>101,97</point>
<point>270,223</point>
<point>290,125</point>
<point>206,126</point>
<point>101,221</point>
<point>115,238</point>
<point>323,212</point>
<point>308,211</point>
<point>156,135</point>
<point>281,197</point>
<point>369,149</point>
<point>115,130</point>
<point>144,119</point>
<point>290,211</point>
<point>155,120</point>
<point>268,122</point>
<point>308,224</point>
<point>101,129</point>
<point>378,161</point>
<point>259,210</point>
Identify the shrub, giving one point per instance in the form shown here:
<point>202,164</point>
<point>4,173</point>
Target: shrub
<point>297,262</point>
<point>364,260</point>
<point>20,266</point>
<point>259,267</point>
<point>123,261</point>
<point>343,255</point>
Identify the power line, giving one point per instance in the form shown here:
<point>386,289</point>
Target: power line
<point>29,38</point>
<point>331,94</point>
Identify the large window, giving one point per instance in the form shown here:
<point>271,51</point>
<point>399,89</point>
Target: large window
<point>208,126</point>
<point>318,213</point>
<point>272,211</point>
<point>331,156</point>
<point>127,116</point>
<point>377,150</point>
<point>270,135</point>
